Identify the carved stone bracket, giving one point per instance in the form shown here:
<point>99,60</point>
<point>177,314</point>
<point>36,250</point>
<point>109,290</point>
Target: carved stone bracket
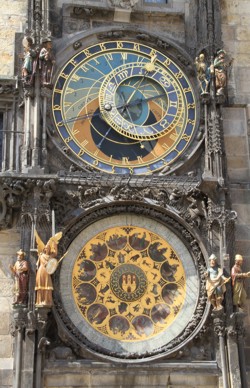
<point>8,87</point>
<point>220,215</point>
<point>23,195</point>
<point>41,192</point>
<point>11,196</point>
<point>236,328</point>
<point>19,319</point>
<point>42,316</point>
<point>219,323</point>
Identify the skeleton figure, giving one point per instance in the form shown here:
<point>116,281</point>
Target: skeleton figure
<point>202,72</point>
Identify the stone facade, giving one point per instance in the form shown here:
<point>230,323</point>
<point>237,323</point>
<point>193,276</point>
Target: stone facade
<point>235,34</point>
<point>37,175</point>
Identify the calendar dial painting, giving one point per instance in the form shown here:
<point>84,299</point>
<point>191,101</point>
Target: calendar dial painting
<point>128,283</point>
<point>129,287</point>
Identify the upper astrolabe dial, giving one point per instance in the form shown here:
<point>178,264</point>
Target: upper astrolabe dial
<point>141,104</point>
<point>124,108</point>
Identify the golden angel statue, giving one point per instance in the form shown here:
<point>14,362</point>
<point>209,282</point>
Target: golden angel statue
<point>46,265</point>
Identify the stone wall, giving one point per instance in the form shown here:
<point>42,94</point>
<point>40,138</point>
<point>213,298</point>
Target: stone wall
<point>236,37</point>
<point>160,375</point>
<point>13,18</point>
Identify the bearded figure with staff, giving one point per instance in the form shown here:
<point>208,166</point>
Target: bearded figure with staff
<point>46,266</point>
<point>238,283</point>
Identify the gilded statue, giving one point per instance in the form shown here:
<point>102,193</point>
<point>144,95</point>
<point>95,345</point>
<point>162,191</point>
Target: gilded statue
<point>21,272</point>
<point>238,280</point>
<point>46,265</point>
<point>216,283</point>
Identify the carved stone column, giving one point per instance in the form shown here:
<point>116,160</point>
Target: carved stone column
<point>19,315</point>
<point>42,342</point>
<point>219,329</point>
<point>236,356</point>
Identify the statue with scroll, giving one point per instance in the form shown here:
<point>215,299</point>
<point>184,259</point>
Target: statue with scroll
<point>46,266</point>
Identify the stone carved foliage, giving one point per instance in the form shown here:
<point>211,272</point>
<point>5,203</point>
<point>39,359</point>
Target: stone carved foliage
<point>19,320</point>
<point>190,204</point>
<point>7,88</point>
<point>219,215</point>
<point>61,353</point>
<point>65,203</point>
<point>82,11</point>
<point>127,4</point>
<point>219,323</point>
<point>39,197</point>
<point>24,196</point>
<point>111,35</point>
<point>11,196</point>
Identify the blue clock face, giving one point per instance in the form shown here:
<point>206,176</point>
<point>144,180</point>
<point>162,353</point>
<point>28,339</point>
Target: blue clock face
<point>123,107</point>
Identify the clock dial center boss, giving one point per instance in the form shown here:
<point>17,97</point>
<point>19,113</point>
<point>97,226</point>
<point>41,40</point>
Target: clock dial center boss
<point>124,107</point>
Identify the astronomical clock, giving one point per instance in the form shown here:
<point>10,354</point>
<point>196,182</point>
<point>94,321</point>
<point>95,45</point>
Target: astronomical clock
<point>115,143</point>
<point>130,284</point>
<point>124,108</point>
